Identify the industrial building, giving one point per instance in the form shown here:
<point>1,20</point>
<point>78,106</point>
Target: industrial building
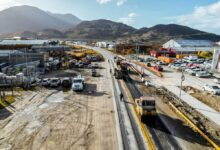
<point>18,57</point>
<point>189,46</point>
<point>23,42</point>
<point>17,51</point>
<point>48,48</point>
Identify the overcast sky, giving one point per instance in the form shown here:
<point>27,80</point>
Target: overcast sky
<point>199,14</point>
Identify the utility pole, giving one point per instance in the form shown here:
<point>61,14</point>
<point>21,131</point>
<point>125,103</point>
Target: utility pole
<point>137,50</point>
<point>182,77</point>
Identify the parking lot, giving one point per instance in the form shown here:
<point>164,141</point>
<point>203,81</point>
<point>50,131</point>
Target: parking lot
<point>54,117</point>
<point>198,79</point>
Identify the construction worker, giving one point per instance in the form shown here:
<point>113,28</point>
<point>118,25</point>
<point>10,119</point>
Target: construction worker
<point>121,97</point>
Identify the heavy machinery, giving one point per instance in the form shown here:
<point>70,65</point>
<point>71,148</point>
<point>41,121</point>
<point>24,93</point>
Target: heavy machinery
<point>121,68</point>
<point>121,71</point>
<point>146,106</point>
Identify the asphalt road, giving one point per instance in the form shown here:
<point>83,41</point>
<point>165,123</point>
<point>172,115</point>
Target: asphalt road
<point>168,131</point>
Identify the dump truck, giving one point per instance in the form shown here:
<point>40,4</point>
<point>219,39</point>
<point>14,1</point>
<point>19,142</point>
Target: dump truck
<point>145,106</point>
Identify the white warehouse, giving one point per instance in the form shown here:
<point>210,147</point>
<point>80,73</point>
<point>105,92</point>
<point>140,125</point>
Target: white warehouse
<point>189,45</point>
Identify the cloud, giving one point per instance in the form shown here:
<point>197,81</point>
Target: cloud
<point>8,3</point>
<point>205,18</point>
<point>101,2</point>
<point>129,19</point>
<point>118,2</point>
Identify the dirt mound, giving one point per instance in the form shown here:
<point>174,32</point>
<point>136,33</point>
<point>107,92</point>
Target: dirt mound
<point>205,97</point>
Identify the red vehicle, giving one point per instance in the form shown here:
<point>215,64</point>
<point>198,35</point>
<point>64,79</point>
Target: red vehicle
<point>158,68</point>
<point>192,65</point>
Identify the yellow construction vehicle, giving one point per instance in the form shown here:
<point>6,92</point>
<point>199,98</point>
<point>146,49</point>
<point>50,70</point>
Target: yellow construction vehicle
<point>205,54</point>
<point>146,106</point>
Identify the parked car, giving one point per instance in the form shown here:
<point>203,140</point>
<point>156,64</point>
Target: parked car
<point>94,73</point>
<point>179,66</point>
<point>55,82</point>
<point>95,65</point>
<point>158,68</point>
<point>89,66</point>
<point>81,65</point>
<point>212,89</point>
<point>200,61</point>
<point>161,63</point>
<point>67,82</point>
<point>203,74</point>
<point>94,58</point>
<point>175,66</point>
<point>194,71</point>
<point>73,61</point>
<point>191,68</point>
<point>45,82</point>
<point>217,80</point>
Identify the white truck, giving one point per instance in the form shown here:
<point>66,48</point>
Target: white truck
<point>78,83</point>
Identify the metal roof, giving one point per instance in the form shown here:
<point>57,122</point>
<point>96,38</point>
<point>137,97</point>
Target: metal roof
<point>195,43</point>
<point>51,47</point>
<point>194,48</point>
<point>9,52</point>
<point>23,42</point>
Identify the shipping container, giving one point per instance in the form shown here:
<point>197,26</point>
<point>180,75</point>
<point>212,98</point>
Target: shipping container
<point>166,59</point>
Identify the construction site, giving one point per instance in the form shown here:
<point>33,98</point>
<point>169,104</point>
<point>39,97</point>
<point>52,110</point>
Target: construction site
<point>88,97</point>
<point>60,118</point>
<point>109,75</point>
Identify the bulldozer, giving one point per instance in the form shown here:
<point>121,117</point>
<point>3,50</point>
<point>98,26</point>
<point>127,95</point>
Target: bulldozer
<point>145,106</point>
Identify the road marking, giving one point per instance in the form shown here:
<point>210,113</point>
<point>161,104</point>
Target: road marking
<point>194,126</point>
<point>144,130</point>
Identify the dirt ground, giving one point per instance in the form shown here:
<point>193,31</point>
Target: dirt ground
<point>205,97</point>
<point>62,120</point>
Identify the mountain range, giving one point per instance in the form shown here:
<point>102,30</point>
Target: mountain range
<point>32,22</point>
<point>28,18</point>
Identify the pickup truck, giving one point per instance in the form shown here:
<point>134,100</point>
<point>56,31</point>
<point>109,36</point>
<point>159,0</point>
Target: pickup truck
<point>78,83</point>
